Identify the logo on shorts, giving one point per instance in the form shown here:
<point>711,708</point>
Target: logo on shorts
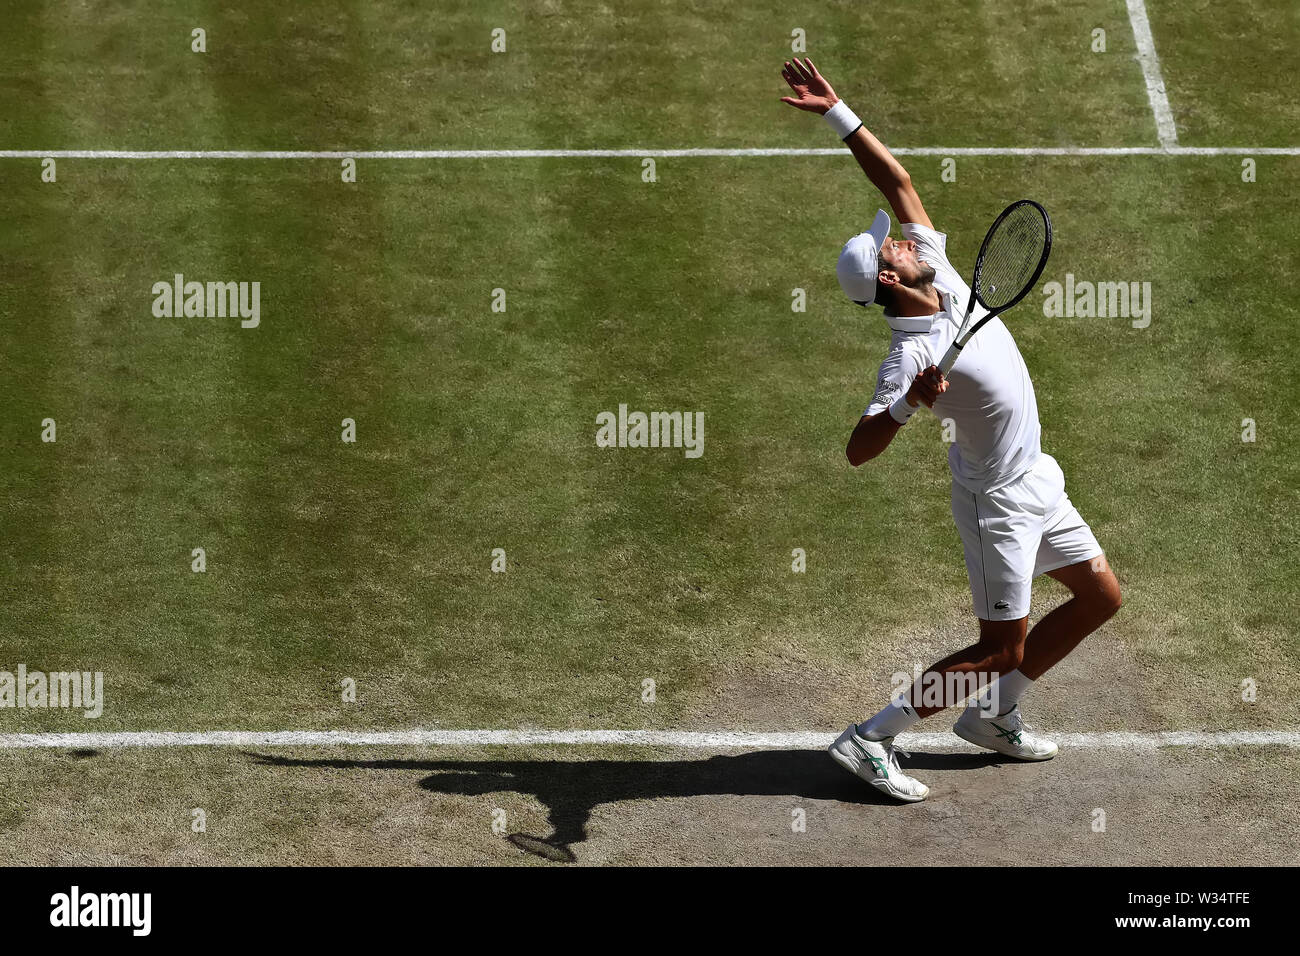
<point>1001,606</point>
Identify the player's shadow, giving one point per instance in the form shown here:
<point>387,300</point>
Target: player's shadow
<point>571,789</point>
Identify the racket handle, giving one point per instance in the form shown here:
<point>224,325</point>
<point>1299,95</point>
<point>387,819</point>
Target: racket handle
<point>949,358</point>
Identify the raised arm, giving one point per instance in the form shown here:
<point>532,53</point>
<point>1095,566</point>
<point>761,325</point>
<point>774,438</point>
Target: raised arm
<point>813,94</point>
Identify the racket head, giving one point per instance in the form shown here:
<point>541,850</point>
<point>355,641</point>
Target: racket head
<point>1013,256</point>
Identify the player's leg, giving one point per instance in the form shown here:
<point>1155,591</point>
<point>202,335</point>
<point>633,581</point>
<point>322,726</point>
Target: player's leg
<point>1096,598</point>
<point>1000,538</point>
<point>999,651</point>
<point>867,749</point>
<point>1003,532</point>
<point>1069,552</point>
<point>995,721</point>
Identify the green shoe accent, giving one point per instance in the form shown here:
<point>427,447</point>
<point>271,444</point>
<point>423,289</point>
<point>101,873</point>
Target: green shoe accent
<point>1011,735</point>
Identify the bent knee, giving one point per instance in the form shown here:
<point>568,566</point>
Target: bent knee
<point>1003,659</point>
<point>1106,598</point>
<point>1009,660</point>
<point>1003,643</point>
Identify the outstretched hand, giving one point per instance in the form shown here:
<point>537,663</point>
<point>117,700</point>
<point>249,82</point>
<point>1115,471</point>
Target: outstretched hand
<point>812,92</point>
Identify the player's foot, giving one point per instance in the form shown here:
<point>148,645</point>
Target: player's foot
<point>876,762</point>
<point>1005,734</point>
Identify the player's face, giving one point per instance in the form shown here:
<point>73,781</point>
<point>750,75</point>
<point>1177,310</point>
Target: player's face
<point>899,255</point>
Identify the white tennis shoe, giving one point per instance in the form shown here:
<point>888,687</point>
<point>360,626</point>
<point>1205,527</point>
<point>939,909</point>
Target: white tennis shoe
<point>1006,734</point>
<point>876,762</point>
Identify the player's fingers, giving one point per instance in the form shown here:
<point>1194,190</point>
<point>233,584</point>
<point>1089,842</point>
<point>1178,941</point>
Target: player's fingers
<point>811,66</point>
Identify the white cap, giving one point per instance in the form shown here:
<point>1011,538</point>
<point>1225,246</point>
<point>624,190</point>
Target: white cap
<point>859,261</point>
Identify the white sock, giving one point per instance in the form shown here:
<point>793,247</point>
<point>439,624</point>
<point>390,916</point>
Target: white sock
<point>890,722</point>
<point>1008,689</point>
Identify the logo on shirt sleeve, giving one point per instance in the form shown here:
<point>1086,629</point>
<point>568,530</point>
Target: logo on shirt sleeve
<point>886,392</point>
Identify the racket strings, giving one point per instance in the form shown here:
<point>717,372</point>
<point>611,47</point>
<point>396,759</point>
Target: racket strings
<point>1012,257</point>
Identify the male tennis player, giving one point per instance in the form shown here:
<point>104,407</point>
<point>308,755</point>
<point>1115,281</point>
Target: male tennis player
<point>1008,497</point>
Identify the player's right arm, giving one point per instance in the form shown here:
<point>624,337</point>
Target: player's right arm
<point>876,430</point>
<point>814,94</point>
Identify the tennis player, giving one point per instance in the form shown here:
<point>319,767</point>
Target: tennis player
<point>1008,497</point>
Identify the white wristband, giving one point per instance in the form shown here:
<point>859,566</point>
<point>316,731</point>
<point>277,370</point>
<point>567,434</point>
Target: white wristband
<point>843,120</point>
<point>901,411</point>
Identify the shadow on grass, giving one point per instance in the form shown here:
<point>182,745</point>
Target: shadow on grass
<point>571,789</point>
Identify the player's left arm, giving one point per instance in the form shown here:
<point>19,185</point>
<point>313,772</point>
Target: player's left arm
<point>874,432</point>
<point>813,94</point>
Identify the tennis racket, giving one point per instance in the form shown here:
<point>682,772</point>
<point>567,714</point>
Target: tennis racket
<point>1010,262</point>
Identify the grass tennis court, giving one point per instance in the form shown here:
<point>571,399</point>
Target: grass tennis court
<point>475,428</point>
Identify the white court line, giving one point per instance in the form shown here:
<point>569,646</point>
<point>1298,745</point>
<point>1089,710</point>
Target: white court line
<point>703,740</point>
<point>1146,55</point>
<point>639,153</point>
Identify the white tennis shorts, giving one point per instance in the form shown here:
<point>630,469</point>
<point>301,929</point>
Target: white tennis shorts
<point>1017,532</point>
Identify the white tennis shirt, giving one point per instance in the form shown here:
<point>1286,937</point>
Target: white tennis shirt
<point>990,398</point>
